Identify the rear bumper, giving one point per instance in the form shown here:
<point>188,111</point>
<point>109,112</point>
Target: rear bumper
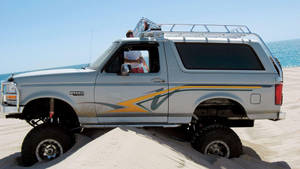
<point>271,116</point>
<point>281,115</point>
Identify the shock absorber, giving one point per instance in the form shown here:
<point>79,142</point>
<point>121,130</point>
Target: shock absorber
<point>51,113</point>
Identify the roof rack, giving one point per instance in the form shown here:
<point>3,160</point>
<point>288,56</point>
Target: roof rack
<point>148,28</point>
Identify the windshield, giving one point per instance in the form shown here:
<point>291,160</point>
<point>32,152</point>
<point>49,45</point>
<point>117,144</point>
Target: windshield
<point>102,57</point>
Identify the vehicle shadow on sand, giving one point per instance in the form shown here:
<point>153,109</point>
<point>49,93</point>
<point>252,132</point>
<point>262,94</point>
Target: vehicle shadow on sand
<point>173,138</point>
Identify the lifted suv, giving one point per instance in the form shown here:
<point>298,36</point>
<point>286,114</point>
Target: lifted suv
<point>166,76</point>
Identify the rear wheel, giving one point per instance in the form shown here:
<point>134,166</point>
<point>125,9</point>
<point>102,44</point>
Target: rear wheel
<point>217,140</point>
<point>44,143</point>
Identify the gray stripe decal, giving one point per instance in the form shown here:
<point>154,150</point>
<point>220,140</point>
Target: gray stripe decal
<point>114,106</point>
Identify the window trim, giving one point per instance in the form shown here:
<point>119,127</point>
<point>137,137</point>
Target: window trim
<point>218,69</point>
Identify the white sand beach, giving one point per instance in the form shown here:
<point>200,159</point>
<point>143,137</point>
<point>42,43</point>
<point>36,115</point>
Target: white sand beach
<point>267,145</point>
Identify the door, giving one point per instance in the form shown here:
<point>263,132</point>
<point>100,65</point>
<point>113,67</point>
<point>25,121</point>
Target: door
<point>139,97</point>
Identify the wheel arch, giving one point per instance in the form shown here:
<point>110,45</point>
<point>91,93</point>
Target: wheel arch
<point>64,109</point>
<point>49,94</point>
<point>228,96</point>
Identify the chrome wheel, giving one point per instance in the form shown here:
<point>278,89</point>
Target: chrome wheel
<point>48,149</point>
<point>218,148</point>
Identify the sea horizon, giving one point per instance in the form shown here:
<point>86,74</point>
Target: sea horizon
<point>287,52</point>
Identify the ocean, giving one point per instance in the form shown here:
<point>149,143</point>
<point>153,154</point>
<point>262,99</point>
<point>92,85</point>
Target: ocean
<point>287,52</point>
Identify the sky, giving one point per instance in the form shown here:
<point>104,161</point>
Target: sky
<point>44,34</point>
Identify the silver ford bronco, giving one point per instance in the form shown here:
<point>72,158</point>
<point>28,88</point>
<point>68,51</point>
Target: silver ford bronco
<point>203,78</point>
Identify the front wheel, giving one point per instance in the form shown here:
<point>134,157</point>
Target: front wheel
<point>217,140</point>
<point>44,143</point>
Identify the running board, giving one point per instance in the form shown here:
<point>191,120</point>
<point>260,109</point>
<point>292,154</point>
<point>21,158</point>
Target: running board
<point>128,125</point>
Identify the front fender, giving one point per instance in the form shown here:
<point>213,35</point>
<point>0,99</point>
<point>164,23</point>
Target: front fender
<point>49,94</point>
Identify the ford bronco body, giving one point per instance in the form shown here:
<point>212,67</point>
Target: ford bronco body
<point>204,80</point>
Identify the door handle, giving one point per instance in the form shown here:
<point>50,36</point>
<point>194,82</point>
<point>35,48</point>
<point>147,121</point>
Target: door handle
<point>158,80</point>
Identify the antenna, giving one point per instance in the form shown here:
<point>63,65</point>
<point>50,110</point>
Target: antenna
<point>91,46</point>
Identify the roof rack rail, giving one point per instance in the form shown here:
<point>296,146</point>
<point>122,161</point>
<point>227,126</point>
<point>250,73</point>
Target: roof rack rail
<point>144,26</point>
<point>214,28</point>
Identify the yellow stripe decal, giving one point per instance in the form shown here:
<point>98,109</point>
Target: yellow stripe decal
<point>222,87</point>
<point>130,105</point>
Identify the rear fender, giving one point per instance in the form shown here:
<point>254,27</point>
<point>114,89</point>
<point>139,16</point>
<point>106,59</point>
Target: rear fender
<point>218,95</point>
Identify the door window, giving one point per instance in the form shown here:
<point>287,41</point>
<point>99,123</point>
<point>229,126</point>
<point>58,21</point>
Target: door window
<point>140,58</point>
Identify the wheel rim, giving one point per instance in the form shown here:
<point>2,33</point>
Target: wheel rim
<point>48,149</point>
<point>219,148</point>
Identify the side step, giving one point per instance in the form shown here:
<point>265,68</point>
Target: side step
<point>15,116</point>
<point>128,125</point>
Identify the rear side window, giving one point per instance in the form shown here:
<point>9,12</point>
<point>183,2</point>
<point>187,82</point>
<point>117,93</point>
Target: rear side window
<point>215,56</point>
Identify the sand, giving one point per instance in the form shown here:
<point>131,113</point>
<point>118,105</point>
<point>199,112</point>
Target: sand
<point>267,145</point>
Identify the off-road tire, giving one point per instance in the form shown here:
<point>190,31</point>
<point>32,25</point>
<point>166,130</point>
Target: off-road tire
<point>217,133</point>
<point>41,133</point>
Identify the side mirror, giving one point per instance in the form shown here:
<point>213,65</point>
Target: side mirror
<point>125,70</point>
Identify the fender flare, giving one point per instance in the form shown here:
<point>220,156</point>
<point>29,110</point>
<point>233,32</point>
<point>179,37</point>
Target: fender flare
<point>218,95</point>
<point>49,94</point>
